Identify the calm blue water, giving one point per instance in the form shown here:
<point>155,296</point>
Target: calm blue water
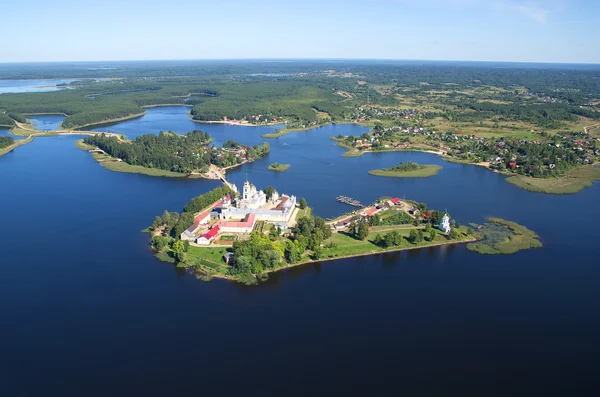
<point>81,294</point>
<point>46,122</point>
<point>15,86</point>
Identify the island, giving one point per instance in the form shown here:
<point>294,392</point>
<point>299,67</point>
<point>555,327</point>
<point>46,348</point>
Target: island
<point>278,167</point>
<point>169,154</point>
<point>408,170</point>
<point>499,236</point>
<point>244,236</point>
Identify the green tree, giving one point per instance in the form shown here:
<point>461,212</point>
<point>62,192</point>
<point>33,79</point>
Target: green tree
<point>431,235</point>
<point>157,222</point>
<point>361,230</point>
<point>291,252</point>
<point>413,236</point>
<point>269,192</point>
<point>273,234</point>
<point>302,203</point>
<point>178,250</point>
<point>420,236</point>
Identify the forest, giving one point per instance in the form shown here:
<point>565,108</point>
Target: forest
<point>6,141</point>
<point>173,152</point>
<point>306,92</point>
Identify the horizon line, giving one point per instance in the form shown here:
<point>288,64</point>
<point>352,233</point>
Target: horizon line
<point>299,59</point>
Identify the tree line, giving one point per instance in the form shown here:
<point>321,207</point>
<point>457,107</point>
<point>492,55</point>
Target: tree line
<point>173,152</point>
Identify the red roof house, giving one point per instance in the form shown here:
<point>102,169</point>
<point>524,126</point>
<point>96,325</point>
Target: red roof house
<point>207,237</point>
<point>395,200</point>
<point>512,164</point>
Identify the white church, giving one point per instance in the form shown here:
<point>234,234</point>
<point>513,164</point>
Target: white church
<point>445,224</point>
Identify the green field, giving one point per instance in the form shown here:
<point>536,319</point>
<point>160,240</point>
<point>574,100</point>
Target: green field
<point>348,246</point>
<point>426,171</point>
<point>574,181</point>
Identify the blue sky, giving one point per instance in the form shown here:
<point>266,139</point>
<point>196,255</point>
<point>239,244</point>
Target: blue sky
<point>486,30</point>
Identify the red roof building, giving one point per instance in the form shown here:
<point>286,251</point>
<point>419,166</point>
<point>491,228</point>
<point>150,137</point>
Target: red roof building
<point>370,211</point>
<point>512,164</point>
<point>202,218</point>
<point>395,200</point>
<point>207,237</point>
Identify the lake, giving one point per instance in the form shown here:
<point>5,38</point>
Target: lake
<point>82,296</point>
<point>46,122</point>
<point>18,86</point>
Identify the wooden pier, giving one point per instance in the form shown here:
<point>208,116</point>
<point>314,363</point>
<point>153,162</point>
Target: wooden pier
<point>349,201</point>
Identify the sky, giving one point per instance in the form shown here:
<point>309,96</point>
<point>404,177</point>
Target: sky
<point>563,31</point>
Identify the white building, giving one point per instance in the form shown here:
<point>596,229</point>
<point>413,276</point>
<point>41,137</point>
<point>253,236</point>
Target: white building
<point>251,197</point>
<point>445,224</point>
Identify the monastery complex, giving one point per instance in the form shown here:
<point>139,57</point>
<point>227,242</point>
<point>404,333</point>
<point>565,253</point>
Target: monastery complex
<point>241,215</point>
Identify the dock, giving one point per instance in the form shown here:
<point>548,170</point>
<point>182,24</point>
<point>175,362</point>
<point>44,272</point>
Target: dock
<point>349,201</point>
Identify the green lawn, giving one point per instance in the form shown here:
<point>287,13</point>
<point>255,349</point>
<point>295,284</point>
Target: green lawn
<point>347,245</point>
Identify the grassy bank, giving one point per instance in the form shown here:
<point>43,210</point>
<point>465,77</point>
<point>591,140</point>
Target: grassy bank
<point>278,167</point>
<point>208,261</point>
<point>572,182</point>
<point>15,145</point>
<point>423,172</point>
<point>504,237</point>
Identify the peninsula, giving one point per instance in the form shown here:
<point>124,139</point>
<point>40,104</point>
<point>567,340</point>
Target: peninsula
<point>245,235</point>
<point>408,170</point>
<point>169,154</point>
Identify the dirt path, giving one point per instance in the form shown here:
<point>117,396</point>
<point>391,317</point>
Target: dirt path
<point>585,129</point>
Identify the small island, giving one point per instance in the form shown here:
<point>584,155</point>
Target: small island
<point>500,236</point>
<point>244,236</point>
<point>278,167</point>
<point>408,170</point>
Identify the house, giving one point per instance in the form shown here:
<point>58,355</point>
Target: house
<point>227,257</point>
<point>202,218</point>
<point>512,164</point>
<point>368,212</point>
<point>189,233</point>
<point>395,201</point>
<point>206,238</point>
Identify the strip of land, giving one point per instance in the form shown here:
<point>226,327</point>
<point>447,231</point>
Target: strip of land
<point>572,182</point>
<point>424,171</point>
<point>15,145</point>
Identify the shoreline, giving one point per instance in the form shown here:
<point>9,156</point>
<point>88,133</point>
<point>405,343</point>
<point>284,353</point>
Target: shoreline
<point>15,145</point>
<point>106,122</point>
<point>289,266</point>
<point>233,123</point>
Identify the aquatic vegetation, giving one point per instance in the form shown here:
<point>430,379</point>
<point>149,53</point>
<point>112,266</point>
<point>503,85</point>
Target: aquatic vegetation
<point>499,236</point>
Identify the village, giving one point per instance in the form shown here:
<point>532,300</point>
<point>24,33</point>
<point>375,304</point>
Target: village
<point>543,155</point>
